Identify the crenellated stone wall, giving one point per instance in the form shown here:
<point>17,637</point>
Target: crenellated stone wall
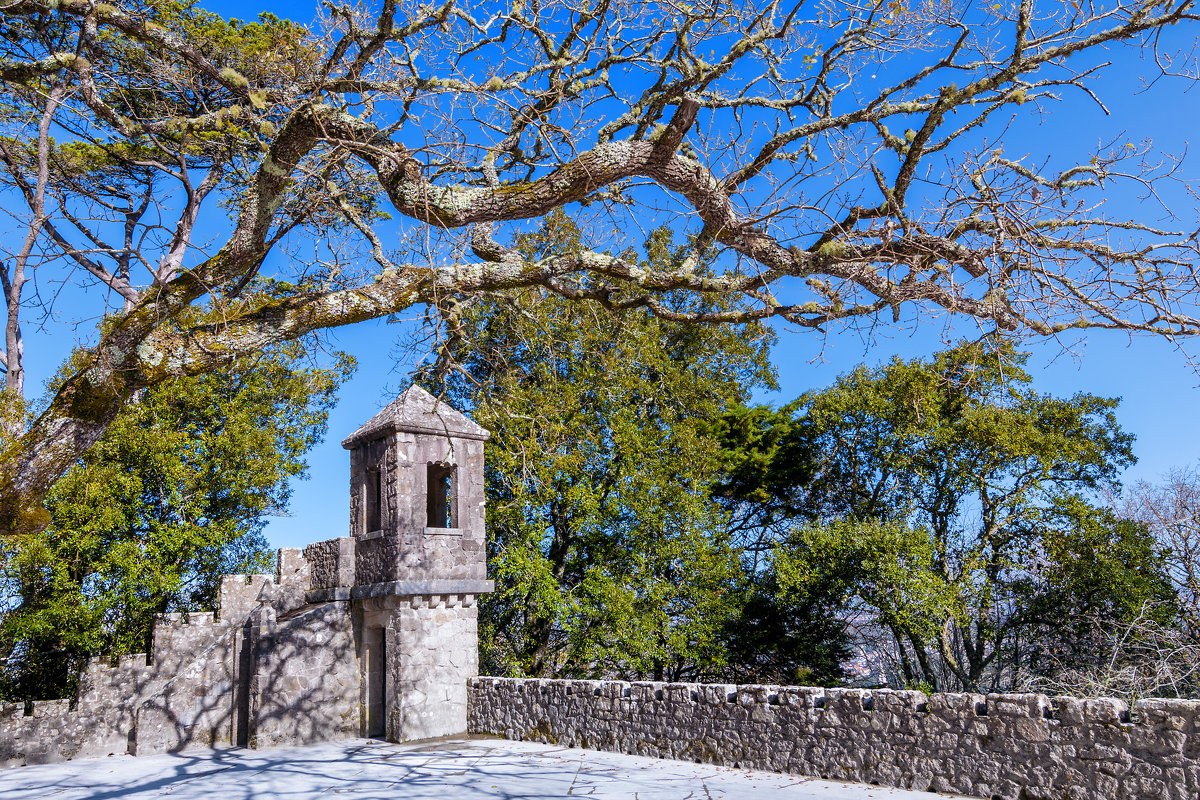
<point>280,663</point>
<point>1003,747</point>
<point>262,663</point>
<point>373,634</point>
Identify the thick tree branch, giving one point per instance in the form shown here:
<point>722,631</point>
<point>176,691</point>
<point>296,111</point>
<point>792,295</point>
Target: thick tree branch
<point>410,139</point>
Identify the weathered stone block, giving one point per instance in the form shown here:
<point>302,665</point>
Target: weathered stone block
<point>1003,746</point>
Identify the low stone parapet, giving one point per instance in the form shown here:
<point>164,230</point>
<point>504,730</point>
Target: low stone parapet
<point>996,746</point>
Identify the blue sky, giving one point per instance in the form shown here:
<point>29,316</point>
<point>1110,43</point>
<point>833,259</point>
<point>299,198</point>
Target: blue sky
<point>1159,387</point>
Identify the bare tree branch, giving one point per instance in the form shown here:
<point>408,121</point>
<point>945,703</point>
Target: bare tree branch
<point>414,141</point>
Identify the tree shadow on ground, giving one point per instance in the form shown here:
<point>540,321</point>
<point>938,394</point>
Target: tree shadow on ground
<point>361,770</point>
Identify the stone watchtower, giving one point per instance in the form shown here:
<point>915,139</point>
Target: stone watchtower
<point>416,499</point>
<point>417,534</point>
<point>374,634</point>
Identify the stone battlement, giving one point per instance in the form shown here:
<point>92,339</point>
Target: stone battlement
<point>332,563</point>
<point>819,701</point>
<point>188,618</point>
<point>179,695</point>
<point>50,708</point>
<point>998,746</point>
<point>435,601</point>
<point>105,672</point>
<point>369,635</point>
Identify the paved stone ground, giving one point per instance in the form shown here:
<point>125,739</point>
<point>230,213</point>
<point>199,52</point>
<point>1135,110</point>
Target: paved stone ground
<point>455,769</point>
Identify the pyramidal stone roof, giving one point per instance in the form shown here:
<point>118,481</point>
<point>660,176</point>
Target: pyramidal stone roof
<point>416,411</point>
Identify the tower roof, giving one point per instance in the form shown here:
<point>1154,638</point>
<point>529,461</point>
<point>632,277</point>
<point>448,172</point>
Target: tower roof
<point>416,411</point>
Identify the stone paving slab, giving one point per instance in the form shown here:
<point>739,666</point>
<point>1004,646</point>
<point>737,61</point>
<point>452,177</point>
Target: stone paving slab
<point>455,769</point>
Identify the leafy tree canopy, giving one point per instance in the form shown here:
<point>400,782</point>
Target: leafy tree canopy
<point>173,496</point>
<point>768,459</point>
<point>608,554</point>
<point>828,162</point>
<point>952,503</point>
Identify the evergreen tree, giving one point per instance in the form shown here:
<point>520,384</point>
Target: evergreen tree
<point>956,507</point>
<point>175,495</point>
<point>609,554</point>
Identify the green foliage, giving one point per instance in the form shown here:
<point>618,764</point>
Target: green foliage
<point>794,637</point>
<point>794,628</point>
<point>950,504</point>
<point>924,438</point>
<point>791,633</point>
<point>1098,569</point>
<point>888,565</point>
<point>608,553</point>
<point>253,51</point>
<point>767,460</point>
<point>172,497</point>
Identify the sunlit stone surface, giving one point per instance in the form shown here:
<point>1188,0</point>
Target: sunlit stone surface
<point>459,769</point>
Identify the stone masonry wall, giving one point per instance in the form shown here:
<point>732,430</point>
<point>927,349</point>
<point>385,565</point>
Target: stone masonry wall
<point>435,652</point>
<point>306,682</point>
<point>193,690</point>
<point>1003,747</point>
<point>135,706</point>
<point>405,549</point>
<point>331,563</point>
<point>184,699</point>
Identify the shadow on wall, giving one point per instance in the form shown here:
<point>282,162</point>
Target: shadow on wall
<point>270,670</point>
<point>305,686</point>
